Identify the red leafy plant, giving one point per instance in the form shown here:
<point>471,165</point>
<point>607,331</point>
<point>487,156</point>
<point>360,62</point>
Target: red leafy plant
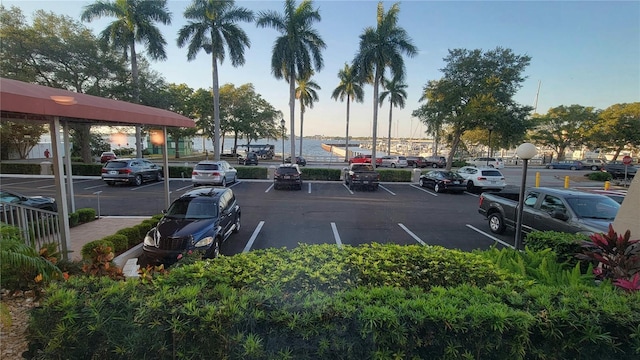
<point>618,257</point>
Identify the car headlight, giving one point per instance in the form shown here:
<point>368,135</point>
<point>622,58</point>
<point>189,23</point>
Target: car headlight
<point>204,242</point>
<point>148,239</point>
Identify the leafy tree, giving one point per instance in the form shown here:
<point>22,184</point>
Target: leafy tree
<point>20,136</point>
<point>134,24</point>
<point>307,95</point>
<point>180,101</point>
<point>564,127</point>
<point>212,27</point>
<point>433,118</point>
<point>18,42</point>
<point>618,127</point>
<point>395,91</point>
<point>476,91</point>
<point>351,89</point>
<point>298,46</point>
<point>381,48</point>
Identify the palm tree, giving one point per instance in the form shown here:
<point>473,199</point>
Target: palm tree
<point>394,89</point>
<point>382,47</point>
<point>212,27</point>
<point>350,88</point>
<point>134,24</point>
<point>306,94</point>
<point>298,46</point>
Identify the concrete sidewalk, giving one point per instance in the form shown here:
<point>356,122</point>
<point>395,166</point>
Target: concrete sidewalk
<point>99,228</point>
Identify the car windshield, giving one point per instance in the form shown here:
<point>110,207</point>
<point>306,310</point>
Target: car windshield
<point>287,170</point>
<point>603,207</point>
<point>363,167</point>
<point>491,173</point>
<point>192,208</point>
<point>116,164</point>
<point>207,167</point>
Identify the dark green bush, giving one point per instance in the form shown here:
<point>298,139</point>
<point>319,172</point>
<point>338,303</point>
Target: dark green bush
<point>74,219</point>
<point>132,234</point>
<point>87,249</point>
<point>119,241</point>
<point>252,172</point>
<point>565,245</point>
<point>395,175</point>
<point>11,168</point>
<point>179,172</point>
<point>86,169</point>
<point>86,215</point>
<point>321,174</point>
<point>600,176</point>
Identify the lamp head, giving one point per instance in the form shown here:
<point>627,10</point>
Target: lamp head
<point>282,122</point>
<point>526,151</point>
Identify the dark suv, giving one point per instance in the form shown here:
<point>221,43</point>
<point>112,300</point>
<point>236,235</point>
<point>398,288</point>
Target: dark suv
<point>131,171</point>
<point>617,169</point>
<point>436,161</point>
<point>199,220</point>
<point>287,175</point>
<point>250,159</point>
<point>416,161</point>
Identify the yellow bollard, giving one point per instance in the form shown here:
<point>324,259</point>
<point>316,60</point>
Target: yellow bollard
<point>566,182</point>
<point>607,185</point>
<point>538,179</point>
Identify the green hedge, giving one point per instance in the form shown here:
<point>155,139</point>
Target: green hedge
<point>323,302</point>
<point>27,169</point>
<point>120,242</point>
<point>87,249</point>
<point>565,245</point>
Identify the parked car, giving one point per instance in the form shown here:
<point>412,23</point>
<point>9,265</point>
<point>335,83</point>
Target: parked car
<point>250,158</point>
<point>567,165</point>
<point>617,169</point>
<point>199,220</point>
<point>394,161</point>
<point>364,159</point>
<point>443,180</point>
<point>494,162</point>
<point>436,161</point>
<point>416,161</point>
<point>361,175</point>
<point>287,175</point>
<point>299,160</point>
<point>594,164</point>
<point>40,202</point>
<point>209,172</point>
<point>482,178</point>
<point>106,156</point>
<point>130,171</point>
<point>617,195</point>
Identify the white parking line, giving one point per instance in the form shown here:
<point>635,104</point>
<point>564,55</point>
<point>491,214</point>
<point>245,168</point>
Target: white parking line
<point>387,190</point>
<point>146,186</point>
<point>422,189</point>
<point>269,188</point>
<point>309,188</point>
<point>50,186</point>
<point>490,236</point>
<point>253,237</point>
<point>472,194</point>
<point>336,235</point>
<point>97,186</point>
<point>414,236</point>
<point>346,187</point>
<point>184,187</point>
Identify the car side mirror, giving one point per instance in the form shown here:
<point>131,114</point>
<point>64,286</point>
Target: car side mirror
<point>560,215</point>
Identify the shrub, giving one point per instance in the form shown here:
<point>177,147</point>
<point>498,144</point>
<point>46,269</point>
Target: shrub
<point>119,241</point>
<point>74,219</point>
<point>565,245</point>
<point>132,234</point>
<point>86,215</point>
<point>321,174</point>
<point>600,176</point>
<point>252,172</point>
<point>22,267</point>
<point>88,248</point>
<point>395,175</point>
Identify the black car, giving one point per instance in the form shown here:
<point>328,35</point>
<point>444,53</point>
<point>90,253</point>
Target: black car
<point>249,159</point>
<point>443,180</point>
<point>131,171</point>
<point>287,175</point>
<point>299,160</point>
<point>617,169</point>
<point>40,202</point>
<point>199,220</point>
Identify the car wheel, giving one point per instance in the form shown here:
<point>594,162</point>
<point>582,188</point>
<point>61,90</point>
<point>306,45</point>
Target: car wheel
<point>573,168</point>
<point>434,165</point>
<point>350,186</point>
<point>550,167</point>
<point>375,187</point>
<point>224,182</point>
<point>137,181</point>
<point>415,165</point>
<point>594,168</point>
<point>159,177</point>
<point>393,165</point>
<point>275,187</point>
<point>110,183</point>
<point>470,187</point>
<point>215,247</point>
<point>437,188</point>
<point>421,182</point>
<point>237,224</point>
<point>496,223</point>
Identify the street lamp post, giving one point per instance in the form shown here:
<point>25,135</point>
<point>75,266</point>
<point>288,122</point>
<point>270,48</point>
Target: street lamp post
<point>525,152</point>
<point>490,127</point>
<point>282,126</point>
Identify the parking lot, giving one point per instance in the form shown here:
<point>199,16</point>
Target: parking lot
<point>321,213</point>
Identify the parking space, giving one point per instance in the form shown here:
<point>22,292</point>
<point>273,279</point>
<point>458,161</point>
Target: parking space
<point>322,212</point>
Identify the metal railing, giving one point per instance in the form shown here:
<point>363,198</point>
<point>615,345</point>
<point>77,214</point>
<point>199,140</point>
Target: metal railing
<point>37,227</point>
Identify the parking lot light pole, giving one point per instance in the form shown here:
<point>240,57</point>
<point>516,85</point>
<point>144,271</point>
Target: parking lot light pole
<point>525,152</point>
<point>282,126</point>
<point>490,127</point>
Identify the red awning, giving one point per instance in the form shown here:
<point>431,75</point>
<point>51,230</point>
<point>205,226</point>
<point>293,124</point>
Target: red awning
<point>29,101</point>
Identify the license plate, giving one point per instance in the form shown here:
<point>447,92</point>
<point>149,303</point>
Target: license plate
<point>113,172</point>
<point>493,181</point>
<point>456,182</point>
<point>287,177</point>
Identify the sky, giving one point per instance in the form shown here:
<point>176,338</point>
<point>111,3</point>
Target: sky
<point>582,52</point>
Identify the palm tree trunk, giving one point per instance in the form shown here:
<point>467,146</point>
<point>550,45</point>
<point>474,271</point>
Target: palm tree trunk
<point>136,94</point>
<point>301,124</point>
<point>292,111</point>
<point>389,138</point>
<point>376,83</point>
<point>216,108</point>
<point>346,144</point>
